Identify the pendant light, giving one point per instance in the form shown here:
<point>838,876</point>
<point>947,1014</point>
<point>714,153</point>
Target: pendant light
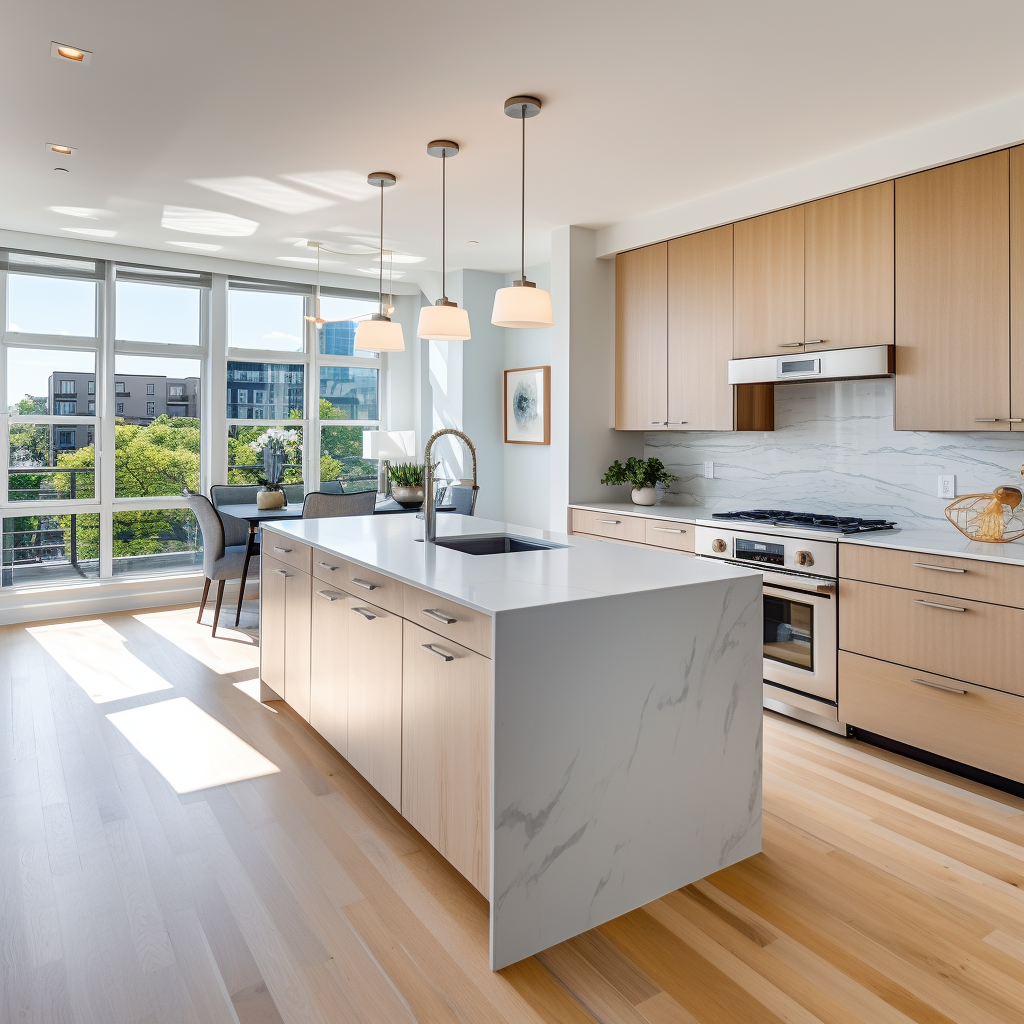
<point>524,304</point>
<point>379,334</point>
<point>443,321</point>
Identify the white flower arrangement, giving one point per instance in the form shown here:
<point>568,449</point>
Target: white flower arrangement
<point>276,438</point>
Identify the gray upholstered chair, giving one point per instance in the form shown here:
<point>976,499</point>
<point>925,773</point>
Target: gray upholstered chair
<point>293,492</point>
<point>236,531</point>
<point>323,505</point>
<point>220,562</point>
<point>463,498</point>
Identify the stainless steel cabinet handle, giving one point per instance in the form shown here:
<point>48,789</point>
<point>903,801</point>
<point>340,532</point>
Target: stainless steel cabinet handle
<point>986,419</point>
<point>816,341</point>
<point>944,607</point>
<point>659,423</point>
<point>365,584</point>
<point>327,565</point>
<point>676,423</point>
<point>281,572</point>
<point>665,529</point>
<point>440,616</point>
<point>792,344</point>
<point>1016,419</point>
<point>438,652</point>
<point>328,595</point>
<point>366,613</point>
<point>283,551</point>
<point>937,568</point>
<point>610,522</point>
<point>939,686</point>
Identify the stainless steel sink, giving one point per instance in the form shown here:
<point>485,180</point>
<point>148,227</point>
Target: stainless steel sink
<point>495,544</point>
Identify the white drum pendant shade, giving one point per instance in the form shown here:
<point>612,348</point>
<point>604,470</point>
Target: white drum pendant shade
<point>443,323</point>
<point>522,307</point>
<point>379,336</point>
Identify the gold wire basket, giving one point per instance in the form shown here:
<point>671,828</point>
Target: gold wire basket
<point>995,518</point>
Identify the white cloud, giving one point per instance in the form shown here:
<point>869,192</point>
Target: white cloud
<point>280,334</point>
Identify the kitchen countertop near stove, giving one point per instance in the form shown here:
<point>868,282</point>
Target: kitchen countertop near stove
<point>677,513</point>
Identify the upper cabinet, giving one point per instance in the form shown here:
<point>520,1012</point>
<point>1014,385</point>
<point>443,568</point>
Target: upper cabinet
<point>769,284</point>
<point>953,297</point>
<point>848,269</point>
<point>1017,288</point>
<point>641,338</point>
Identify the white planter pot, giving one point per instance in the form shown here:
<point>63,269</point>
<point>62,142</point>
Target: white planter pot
<point>644,495</point>
<point>407,496</point>
<point>270,499</point>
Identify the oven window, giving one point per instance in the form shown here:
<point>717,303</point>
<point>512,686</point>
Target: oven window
<point>789,631</point>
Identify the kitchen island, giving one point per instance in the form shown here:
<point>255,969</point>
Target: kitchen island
<point>576,728</point>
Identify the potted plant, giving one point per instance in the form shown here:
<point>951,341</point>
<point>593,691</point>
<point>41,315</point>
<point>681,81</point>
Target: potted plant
<point>643,474</point>
<point>407,483</point>
<point>271,445</point>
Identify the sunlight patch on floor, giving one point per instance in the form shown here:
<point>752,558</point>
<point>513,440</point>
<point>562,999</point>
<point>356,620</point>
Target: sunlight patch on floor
<point>188,747</point>
<point>230,651</point>
<point>251,688</point>
<point>93,654</point>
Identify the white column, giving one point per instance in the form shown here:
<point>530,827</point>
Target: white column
<point>215,384</point>
<point>105,431</point>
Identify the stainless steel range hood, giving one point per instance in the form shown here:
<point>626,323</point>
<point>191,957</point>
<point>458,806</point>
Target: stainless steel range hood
<point>812,365</point>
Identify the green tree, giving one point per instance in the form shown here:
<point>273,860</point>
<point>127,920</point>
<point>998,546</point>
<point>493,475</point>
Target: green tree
<point>31,405</point>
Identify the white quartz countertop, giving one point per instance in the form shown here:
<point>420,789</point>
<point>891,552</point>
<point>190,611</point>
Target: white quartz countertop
<point>677,513</point>
<point>935,538</point>
<point>584,568</point>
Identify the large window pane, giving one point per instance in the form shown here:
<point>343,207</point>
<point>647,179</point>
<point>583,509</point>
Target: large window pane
<point>269,320</point>
<point>341,459</point>
<point>157,312</point>
<point>51,305</point>
<point>245,454</point>
<point>51,462</point>
<point>348,393</point>
<point>156,541</point>
<point>265,391</point>
<point>157,425</point>
<point>47,550</point>
<point>50,382</point>
<point>336,339</point>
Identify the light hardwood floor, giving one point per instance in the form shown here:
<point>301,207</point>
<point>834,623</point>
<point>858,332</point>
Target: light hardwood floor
<point>886,892</point>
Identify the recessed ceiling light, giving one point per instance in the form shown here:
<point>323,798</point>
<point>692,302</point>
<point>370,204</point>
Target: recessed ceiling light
<point>206,222</point>
<point>85,212</point>
<point>264,192</point>
<point>96,232</point>
<point>205,246</point>
<point>344,184</point>
<point>63,51</point>
<point>56,147</point>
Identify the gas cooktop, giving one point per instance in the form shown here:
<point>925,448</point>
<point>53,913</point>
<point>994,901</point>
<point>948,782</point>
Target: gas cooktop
<point>806,521</point>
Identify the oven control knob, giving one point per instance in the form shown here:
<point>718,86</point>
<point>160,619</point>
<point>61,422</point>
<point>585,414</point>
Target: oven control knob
<point>804,558</point>
<point>718,545</point>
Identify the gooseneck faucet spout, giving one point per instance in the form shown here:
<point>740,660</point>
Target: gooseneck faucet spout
<point>429,512</point>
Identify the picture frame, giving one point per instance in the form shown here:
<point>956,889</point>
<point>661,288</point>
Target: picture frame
<point>528,405</point>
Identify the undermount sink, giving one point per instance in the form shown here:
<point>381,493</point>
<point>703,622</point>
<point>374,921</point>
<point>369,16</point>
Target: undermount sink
<point>495,544</point>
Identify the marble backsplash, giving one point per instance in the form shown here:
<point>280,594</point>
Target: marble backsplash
<point>834,449</point>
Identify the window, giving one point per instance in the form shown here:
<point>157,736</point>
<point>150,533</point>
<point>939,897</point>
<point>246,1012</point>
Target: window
<point>67,387</point>
<point>242,396</point>
<point>266,320</point>
<point>245,453</point>
<point>175,391</point>
<point>34,374</point>
<point>348,393</point>
<point>51,305</point>
<point>92,387</point>
<point>119,387</point>
<point>64,408</point>
<point>150,389</point>
<point>65,438</point>
<point>341,459</point>
<point>259,397</point>
<point>151,408</point>
<point>160,313</point>
<point>92,408</point>
<point>283,391</point>
<point>336,339</point>
<point>120,408</point>
<point>50,549</point>
<point>156,541</point>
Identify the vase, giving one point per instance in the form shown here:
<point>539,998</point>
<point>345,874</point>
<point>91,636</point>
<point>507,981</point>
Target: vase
<point>270,499</point>
<point>644,495</point>
<point>273,466</point>
<point>408,497</point>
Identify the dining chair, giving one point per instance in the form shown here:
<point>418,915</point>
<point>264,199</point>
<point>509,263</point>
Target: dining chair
<point>221,562</point>
<point>463,498</point>
<point>236,531</point>
<point>324,505</point>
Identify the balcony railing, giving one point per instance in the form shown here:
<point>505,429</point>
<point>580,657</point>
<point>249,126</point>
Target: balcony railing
<point>82,479</point>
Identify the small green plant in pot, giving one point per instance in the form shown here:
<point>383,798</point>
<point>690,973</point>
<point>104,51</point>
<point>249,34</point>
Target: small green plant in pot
<point>642,474</point>
<point>407,483</point>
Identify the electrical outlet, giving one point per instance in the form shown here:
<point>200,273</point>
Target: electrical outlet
<point>947,485</point>
<point>709,471</point>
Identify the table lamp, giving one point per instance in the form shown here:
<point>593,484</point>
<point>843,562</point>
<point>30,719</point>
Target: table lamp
<point>388,446</point>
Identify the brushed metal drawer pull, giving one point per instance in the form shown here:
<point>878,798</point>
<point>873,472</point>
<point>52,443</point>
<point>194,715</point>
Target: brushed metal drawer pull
<point>939,686</point>
<point>328,566</point>
<point>937,568</point>
<point>816,341</point>
<point>1016,419</point>
<point>366,613</point>
<point>281,572</point>
<point>440,616</point>
<point>659,423</point>
<point>676,423</point>
<point>283,551</point>
<point>328,595</point>
<point>437,652</point>
<point>665,529</point>
<point>792,344</point>
<point>986,419</point>
<point>944,607</point>
<point>610,522</point>
<point>365,584</point>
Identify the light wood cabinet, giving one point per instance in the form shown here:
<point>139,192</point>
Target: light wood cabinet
<point>328,669</point>
<point>641,338</point>
<point>609,525</point>
<point>953,297</point>
<point>358,580</point>
<point>1017,288</point>
<point>769,284</point>
<point>375,697</point>
<point>662,533</point>
<point>457,622</point>
<point>446,750</point>
<point>849,279</point>
<point>272,618</point>
<point>284,631</point>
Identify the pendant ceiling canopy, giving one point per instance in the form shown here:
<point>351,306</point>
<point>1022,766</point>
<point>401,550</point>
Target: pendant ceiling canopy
<point>379,333</point>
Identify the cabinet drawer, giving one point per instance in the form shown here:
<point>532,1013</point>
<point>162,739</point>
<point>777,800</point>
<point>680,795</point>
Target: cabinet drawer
<point>966,723</point>
<point>982,643</point>
<point>365,583</point>
<point>284,549</point>
<point>663,533</point>
<point>453,621</point>
<point>608,524</point>
<point>938,574</point>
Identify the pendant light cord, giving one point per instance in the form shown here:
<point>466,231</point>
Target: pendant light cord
<point>444,222</point>
<point>380,283</point>
<point>522,204</point>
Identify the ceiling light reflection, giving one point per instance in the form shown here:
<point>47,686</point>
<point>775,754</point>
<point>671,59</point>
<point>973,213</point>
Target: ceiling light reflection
<point>343,184</point>
<point>206,222</point>
<point>264,192</point>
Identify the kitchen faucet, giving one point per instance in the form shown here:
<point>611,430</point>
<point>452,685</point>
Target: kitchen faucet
<point>429,512</point>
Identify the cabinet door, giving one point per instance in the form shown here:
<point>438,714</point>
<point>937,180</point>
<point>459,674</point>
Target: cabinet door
<point>641,338</point>
<point>700,330</point>
<point>849,269</point>
<point>273,576</point>
<point>953,297</point>
<point>298,588</point>
<point>769,285</point>
<point>375,697</point>
<point>328,668</point>
<point>446,750</point>
<point>1017,288</point>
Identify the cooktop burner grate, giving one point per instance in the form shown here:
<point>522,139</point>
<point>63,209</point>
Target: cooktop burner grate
<point>806,520</point>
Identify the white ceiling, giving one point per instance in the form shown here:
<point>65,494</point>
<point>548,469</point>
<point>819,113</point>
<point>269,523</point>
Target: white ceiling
<point>646,105</point>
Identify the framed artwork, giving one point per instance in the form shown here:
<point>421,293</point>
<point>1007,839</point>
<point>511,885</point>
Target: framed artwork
<point>528,405</point>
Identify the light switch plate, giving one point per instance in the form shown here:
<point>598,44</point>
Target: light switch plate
<point>947,485</point>
<point>709,470</point>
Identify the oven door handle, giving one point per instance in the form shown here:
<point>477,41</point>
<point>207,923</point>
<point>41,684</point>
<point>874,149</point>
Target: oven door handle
<point>815,587</point>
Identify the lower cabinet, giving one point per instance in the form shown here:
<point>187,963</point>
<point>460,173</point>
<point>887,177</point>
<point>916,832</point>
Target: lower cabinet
<point>446,750</point>
<point>328,669</point>
<point>284,631</point>
<point>375,697</point>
